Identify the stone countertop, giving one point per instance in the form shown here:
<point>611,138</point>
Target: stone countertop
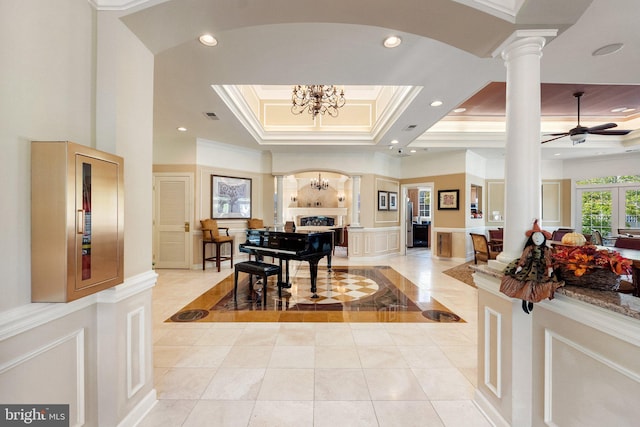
<point>625,304</point>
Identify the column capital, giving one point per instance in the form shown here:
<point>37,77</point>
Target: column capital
<point>532,40</point>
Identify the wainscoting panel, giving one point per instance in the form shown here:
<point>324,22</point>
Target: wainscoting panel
<point>61,362</point>
<point>493,351</point>
<point>136,354</point>
<point>583,387</point>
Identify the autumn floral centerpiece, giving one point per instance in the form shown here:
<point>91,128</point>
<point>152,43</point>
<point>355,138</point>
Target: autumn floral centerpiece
<point>590,266</point>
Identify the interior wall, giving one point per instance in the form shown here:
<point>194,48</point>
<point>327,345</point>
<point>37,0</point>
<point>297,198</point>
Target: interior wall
<point>43,98</point>
<point>66,64</point>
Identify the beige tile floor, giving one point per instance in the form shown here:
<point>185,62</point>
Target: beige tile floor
<point>316,374</point>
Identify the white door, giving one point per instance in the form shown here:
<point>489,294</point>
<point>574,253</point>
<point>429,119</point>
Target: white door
<point>172,220</point>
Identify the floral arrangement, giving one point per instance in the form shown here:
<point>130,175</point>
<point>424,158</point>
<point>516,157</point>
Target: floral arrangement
<point>587,259</point>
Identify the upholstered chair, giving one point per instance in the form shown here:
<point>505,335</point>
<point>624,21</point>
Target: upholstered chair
<point>211,235</point>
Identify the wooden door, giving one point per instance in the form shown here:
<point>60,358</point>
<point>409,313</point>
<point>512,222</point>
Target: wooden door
<point>172,220</point>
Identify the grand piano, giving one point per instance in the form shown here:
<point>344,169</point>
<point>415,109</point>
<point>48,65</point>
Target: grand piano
<point>310,246</point>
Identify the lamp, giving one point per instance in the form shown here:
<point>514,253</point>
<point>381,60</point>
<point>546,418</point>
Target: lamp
<point>319,184</point>
<point>578,138</point>
<point>317,99</point>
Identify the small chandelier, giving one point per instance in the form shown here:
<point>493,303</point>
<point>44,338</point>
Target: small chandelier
<point>317,99</point>
<point>319,184</point>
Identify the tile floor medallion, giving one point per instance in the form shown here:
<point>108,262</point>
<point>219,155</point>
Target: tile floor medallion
<point>345,294</point>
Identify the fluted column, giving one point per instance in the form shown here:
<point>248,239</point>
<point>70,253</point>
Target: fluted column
<point>355,201</point>
<point>523,199</point>
<point>279,201</point>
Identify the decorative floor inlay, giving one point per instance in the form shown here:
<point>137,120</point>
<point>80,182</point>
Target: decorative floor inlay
<point>441,316</point>
<point>345,294</point>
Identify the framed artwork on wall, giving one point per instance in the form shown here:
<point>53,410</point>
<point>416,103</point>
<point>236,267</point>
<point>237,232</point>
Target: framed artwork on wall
<point>448,199</point>
<point>393,201</point>
<point>383,200</point>
<point>230,197</point>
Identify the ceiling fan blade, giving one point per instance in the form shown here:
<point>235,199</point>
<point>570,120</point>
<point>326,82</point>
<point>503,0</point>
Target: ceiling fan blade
<point>610,132</point>
<point>553,139</point>
<point>601,127</point>
<point>557,134</point>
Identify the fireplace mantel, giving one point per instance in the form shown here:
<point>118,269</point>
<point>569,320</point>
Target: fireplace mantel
<point>338,213</point>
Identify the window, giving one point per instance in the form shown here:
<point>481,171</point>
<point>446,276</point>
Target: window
<point>609,203</point>
<point>424,203</point>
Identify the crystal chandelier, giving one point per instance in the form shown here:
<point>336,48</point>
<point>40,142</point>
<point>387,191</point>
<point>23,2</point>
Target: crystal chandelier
<point>319,184</point>
<point>317,99</point>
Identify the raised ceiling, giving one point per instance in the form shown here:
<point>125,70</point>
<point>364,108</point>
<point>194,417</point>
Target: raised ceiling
<point>447,51</point>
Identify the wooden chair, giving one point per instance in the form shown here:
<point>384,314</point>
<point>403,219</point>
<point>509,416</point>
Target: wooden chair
<point>211,236</point>
<point>341,239</point>
<point>496,238</point>
<point>628,243</point>
<point>596,238</point>
<point>482,250</point>
<point>629,231</point>
<point>557,234</point>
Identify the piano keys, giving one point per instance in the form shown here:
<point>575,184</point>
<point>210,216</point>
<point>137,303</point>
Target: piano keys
<point>309,246</point>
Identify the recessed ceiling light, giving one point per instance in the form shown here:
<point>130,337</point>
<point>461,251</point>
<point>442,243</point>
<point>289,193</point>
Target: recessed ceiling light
<point>556,154</point>
<point>608,49</point>
<point>628,110</point>
<point>182,129</point>
<point>392,41</point>
<point>208,40</point>
<point>413,151</point>
<point>395,141</point>
<point>618,110</point>
<point>460,110</point>
<point>436,103</point>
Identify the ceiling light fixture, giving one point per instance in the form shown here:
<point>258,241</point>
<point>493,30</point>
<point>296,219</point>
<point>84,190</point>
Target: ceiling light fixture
<point>182,129</point>
<point>628,110</point>
<point>317,99</point>
<point>319,184</point>
<point>413,150</point>
<point>392,41</point>
<point>395,141</point>
<point>436,103</point>
<point>608,49</point>
<point>578,138</point>
<point>208,40</point>
<point>460,110</point>
<point>618,110</point>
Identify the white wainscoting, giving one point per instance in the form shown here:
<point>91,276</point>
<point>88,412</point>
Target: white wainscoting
<point>373,242</point>
<point>60,361</point>
<point>93,353</point>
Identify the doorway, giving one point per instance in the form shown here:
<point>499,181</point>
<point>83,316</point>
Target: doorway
<point>172,214</point>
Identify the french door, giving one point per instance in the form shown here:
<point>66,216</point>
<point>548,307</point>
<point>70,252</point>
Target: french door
<point>606,208</point>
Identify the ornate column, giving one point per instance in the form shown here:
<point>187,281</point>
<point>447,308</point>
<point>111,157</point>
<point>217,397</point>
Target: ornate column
<point>523,198</point>
<point>355,201</point>
<point>279,201</point>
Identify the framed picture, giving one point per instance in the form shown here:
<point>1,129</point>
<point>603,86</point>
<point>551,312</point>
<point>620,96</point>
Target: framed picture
<point>393,201</point>
<point>448,199</point>
<point>383,200</point>
<point>230,197</point>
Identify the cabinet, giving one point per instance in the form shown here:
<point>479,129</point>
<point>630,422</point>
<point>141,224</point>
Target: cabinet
<point>77,228</point>
<point>444,242</point>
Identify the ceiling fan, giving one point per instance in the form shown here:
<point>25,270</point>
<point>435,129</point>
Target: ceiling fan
<point>579,133</point>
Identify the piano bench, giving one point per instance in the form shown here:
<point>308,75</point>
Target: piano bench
<point>256,268</point>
